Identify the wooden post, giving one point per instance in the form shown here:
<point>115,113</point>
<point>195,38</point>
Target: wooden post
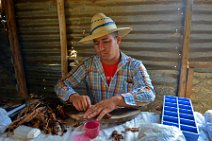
<point>185,51</point>
<point>0,6</point>
<point>63,38</point>
<point>15,48</point>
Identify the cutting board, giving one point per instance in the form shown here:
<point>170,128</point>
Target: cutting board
<point>117,116</point>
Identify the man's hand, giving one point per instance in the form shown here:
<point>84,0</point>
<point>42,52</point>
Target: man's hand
<point>102,108</point>
<point>80,102</point>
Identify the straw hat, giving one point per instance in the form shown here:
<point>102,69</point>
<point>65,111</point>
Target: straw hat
<point>102,25</point>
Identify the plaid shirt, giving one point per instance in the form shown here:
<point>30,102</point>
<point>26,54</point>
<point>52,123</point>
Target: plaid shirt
<point>131,81</point>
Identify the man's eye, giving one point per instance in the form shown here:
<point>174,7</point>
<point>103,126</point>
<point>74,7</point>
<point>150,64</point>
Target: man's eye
<point>107,41</point>
<point>96,43</point>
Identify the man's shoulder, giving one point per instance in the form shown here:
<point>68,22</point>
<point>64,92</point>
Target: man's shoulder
<point>129,58</point>
<point>85,59</point>
<point>89,60</point>
<point>133,60</point>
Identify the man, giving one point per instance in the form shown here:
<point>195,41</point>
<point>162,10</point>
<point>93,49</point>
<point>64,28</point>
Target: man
<point>112,78</point>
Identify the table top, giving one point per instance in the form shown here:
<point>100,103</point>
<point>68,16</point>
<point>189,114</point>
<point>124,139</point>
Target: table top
<point>106,130</point>
<point>119,115</point>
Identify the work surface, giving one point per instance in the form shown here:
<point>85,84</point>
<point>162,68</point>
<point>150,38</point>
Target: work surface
<point>106,130</point>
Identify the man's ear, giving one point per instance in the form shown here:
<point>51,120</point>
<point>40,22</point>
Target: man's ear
<point>118,39</point>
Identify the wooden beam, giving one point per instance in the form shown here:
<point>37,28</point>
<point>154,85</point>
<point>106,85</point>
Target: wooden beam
<point>185,51</point>
<point>15,48</point>
<point>0,6</point>
<point>189,82</point>
<point>63,38</point>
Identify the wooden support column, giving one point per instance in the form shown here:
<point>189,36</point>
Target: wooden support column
<point>0,6</point>
<point>185,51</point>
<point>63,38</point>
<point>15,47</point>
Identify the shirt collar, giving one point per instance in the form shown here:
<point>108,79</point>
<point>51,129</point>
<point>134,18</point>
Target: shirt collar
<point>124,59</point>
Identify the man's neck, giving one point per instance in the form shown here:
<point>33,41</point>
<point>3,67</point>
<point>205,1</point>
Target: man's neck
<point>112,61</point>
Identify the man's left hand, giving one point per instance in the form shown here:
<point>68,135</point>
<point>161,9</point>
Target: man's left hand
<point>102,108</point>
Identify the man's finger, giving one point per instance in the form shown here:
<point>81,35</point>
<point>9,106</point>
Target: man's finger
<point>102,114</point>
<point>76,106</point>
<point>88,102</point>
<point>91,112</point>
<point>79,104</point>
<point>88,113</point>
<point>83,104</point>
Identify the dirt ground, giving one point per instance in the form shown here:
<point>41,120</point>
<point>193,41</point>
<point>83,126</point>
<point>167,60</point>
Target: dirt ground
<point>202,92</point>
<point>201,96</point>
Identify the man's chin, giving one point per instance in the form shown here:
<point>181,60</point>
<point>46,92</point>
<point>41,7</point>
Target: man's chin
<point>104,55</point>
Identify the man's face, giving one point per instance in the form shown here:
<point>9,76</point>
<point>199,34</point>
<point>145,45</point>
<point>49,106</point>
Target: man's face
<point>107,47</point>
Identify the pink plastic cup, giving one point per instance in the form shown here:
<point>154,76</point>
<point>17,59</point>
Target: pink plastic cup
<point>91,129</point>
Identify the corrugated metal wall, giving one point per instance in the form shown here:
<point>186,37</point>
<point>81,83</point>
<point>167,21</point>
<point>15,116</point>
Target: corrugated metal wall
<point>7,76</point>
<point>201,32</point>
<point>40,44</point>
<point>155,39</point>
<point>157,28</point>
<point>201,53</point>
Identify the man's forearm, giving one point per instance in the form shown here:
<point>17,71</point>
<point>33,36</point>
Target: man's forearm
<point>72,96</point>
<point>119,100</point>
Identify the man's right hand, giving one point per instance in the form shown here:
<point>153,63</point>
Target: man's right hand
<point>80,102</point>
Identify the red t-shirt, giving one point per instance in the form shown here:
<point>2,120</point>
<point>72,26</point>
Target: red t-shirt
<point>109,70</point>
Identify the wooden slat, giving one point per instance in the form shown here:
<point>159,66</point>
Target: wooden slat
<point>16,54</point>
<point>63,38</point>
<point>185,51</point>
<point>0,6</point>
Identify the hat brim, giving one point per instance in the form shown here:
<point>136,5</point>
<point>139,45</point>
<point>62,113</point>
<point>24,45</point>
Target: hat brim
<point>123,31</point>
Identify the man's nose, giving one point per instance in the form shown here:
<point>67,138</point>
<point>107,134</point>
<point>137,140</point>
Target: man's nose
<point>101,46</point>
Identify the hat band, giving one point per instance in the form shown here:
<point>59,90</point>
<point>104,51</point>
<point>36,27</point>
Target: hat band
<point>105,24</point>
